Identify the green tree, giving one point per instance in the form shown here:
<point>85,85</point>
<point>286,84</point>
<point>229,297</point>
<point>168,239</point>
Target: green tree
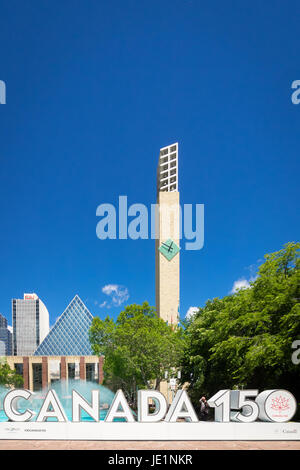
<point>245,339</point>
<point>138,348</point>
<point>9,377</point>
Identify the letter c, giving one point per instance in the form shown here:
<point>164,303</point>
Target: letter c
<point>10,408</point>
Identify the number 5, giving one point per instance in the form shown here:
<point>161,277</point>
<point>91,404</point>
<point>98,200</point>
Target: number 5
<point>249,408</point>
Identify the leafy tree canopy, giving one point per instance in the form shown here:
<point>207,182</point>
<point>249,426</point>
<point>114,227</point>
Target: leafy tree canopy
<point>138,348</point>
<point>245,339</point>
<point>9,377</point>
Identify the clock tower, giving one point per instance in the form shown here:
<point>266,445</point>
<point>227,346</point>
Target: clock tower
<point>167,236</point>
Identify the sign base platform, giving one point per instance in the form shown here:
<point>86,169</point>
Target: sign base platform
<point>162,431</point>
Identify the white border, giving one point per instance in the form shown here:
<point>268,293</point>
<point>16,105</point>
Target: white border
<point>163,431</point>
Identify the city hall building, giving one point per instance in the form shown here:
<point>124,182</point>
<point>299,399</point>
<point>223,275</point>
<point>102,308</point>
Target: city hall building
<point>63,354</point>
<point>40,372</point>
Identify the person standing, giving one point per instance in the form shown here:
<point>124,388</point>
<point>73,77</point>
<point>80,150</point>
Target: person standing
<point>204,409</point>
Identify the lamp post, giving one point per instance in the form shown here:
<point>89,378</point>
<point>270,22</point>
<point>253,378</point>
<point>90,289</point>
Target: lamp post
<point>172,383</point>
<point>166,377</point>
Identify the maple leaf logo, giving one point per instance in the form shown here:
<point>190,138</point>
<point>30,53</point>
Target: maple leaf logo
<point>280,403</point>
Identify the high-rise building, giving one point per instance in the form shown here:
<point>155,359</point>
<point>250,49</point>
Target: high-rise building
<point>5,337</point>
<point>69,335</point>
<point>167,236</point>
<point>30,324</point>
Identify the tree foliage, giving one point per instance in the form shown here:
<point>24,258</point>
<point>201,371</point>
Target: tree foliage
<point>245,339</point>
<point>138,348</point>
<point>9,377</point>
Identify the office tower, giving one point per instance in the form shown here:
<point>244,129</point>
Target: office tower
<point>167,236</point>
<point>69,336</point>
<point>5,338</point>
<point>30,324</point>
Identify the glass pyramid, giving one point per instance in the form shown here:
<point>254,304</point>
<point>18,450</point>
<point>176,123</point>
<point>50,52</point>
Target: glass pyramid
<point>69,336</point>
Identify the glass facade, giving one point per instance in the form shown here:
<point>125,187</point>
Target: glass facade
<point>30,324</point>
<point>69,336</point>
<point>37,377</point>
<point>5,338</point>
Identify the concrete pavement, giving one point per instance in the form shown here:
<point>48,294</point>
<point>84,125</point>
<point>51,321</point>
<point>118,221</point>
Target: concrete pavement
<point>148,445</point>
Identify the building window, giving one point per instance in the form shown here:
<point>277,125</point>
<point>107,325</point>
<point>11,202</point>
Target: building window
<point>164,168</point>
<point>19,368</point>
<point>71,370</point>
<point>90,372</point>
<point>54,369</point>
<point>37,376</point>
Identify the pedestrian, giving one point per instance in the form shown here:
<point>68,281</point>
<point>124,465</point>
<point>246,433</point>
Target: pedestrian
<point>204,409</point>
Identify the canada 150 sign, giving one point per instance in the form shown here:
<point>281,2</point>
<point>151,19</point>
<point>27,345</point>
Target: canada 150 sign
<point>243,406</point>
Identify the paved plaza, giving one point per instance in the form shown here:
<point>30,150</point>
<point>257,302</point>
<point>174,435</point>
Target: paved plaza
<point>148,445</point>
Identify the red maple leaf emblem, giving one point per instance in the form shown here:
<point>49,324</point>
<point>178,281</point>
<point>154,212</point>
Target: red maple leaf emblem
<point>280,403</point>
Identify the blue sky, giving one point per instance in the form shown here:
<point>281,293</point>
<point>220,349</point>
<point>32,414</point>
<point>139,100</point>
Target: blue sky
<point>94,89</point>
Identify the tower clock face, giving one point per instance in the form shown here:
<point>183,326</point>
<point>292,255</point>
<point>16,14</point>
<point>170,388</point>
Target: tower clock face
<point>169,249</point>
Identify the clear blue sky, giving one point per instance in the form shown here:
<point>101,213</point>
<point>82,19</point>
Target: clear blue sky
<point>94,89</point>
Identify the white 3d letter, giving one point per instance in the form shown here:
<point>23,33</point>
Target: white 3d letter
<point>10,408</point>
<point>113,412</point>
<point>79,403</point>
<point>57,411</point>
<point>143,409</point>
<point>181,408</point>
